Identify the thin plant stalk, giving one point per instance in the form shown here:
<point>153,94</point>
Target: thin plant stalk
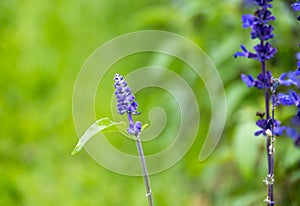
<point>269,181</point>
<point>144,169</point>
<point>126,104</point>
<point>271,148</point>
<point>269,145</point>
<point>142,162</point>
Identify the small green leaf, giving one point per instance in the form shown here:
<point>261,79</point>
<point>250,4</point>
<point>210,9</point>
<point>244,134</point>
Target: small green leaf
<point>144,126</point>
<point>103,125</point>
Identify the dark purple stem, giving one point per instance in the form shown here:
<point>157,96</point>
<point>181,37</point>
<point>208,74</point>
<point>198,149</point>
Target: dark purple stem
<point>129,116</point>
<point>270,198</point>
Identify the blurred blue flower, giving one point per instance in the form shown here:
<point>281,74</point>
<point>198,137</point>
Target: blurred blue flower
<point>296,6</point>
<point>285,99</point>
<point>294,135</point>
<point>247,20</point>
<point>291,77</point>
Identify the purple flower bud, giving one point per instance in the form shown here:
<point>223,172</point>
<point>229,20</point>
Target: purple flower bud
<point>126,104</point>
<point>134,129</point>
<point>125,98</point>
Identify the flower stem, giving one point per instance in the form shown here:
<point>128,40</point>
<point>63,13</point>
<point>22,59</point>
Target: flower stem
<point>269,181</point>
<point>144,170</point>
<point>272,153</point>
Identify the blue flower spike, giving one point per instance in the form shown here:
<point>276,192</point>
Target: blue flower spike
<point>126,104</point>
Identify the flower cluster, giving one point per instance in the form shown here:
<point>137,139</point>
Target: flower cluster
<point>288,79</point>
<point>126,103</point>
<point>124,96</point>
<point>263,51</point>
<point>260,29</point>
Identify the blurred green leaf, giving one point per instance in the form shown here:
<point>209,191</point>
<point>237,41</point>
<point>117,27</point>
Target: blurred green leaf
<point>246,146</point>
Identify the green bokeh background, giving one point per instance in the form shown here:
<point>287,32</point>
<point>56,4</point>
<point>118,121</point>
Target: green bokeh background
<point>43,45</point>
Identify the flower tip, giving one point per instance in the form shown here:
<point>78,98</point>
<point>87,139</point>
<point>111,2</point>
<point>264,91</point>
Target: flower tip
<point>118,77</point>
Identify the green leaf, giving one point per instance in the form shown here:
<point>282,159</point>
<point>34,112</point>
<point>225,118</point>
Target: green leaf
<point>103,125</point>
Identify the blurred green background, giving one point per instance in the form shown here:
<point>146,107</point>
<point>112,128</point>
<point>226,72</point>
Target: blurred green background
<point>43,45</point>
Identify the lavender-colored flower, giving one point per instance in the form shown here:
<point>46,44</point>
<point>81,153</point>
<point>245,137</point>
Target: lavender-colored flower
<point>264,52</point>
<point>265,124</point>
<point>292,98</point>
<point>248,80</point>
<point>134,129</point>
<point>260,82</point>
<point>126,103</point>
<point>259,29</point>
<point>285,99</point>
<point>247,20</point>
<point>294,135</point>
<point>290,78</point>
<point>245,53</point>
<point>296,6</point>
<point>124,96</point>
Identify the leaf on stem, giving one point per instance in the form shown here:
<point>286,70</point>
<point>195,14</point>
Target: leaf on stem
<point>103,125</point>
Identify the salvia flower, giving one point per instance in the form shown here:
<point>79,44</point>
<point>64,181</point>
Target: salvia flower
<point>292,133</point>
<point>126,103</point>
<point>124,96</point>
<point>290,78</point>
<point>266,124</point>
<point>296,6</point>
<point>260,29</point>
<point>260,83</point>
